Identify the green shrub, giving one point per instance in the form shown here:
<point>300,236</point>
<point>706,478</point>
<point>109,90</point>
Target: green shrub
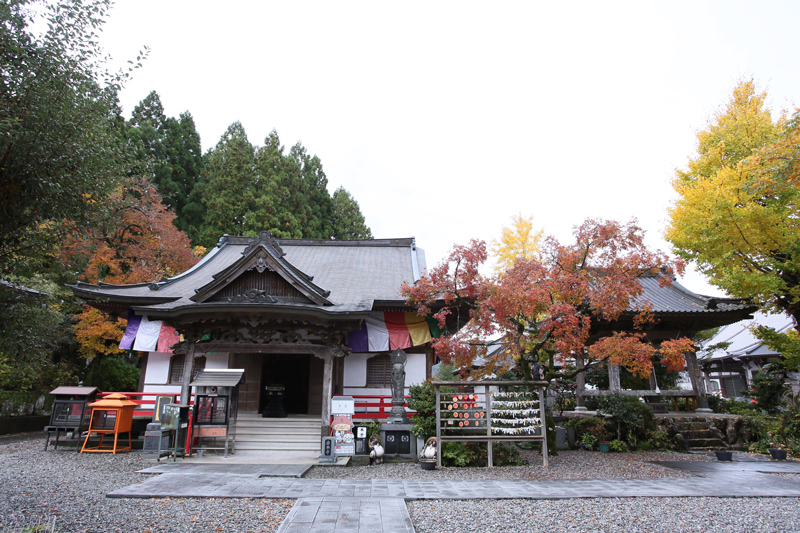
<point>631,416</point>
<point>618,446</point>
<point>657,439</point>
<point>465,454</point>
<point>731,406</point>
<point>593,425</point>
<point>589,441</point>
<point>767,388</point>
<point>423,401</point>
<point>374,428</point>
<point>113,373</point>
<point>506,455</point>
<point>565,394</point>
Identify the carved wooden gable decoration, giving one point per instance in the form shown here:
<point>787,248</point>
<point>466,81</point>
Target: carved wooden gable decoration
<point>262,276</point>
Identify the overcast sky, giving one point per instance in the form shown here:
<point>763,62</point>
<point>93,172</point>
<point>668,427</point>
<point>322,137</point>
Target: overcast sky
<point>444,119</point>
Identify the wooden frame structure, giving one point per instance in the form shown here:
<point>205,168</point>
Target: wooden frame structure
<point>110,416</point>
<point>475,409</point>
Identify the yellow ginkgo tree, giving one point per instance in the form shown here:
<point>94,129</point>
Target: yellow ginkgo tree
<point>518,241</point>
<point>738,212</point>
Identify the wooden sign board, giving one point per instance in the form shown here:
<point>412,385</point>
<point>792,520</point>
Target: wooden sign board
<point>210,432</point>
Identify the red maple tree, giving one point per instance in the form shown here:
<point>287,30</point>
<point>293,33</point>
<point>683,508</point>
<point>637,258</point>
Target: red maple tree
<point>542,308</point>
<point>135,243</point>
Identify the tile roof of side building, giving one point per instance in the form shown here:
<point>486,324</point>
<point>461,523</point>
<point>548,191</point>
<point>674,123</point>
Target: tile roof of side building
<point>739,341</point>
<point>676,298</point>
<point>353,273</point>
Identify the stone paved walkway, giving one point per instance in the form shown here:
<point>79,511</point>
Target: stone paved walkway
<point>375,515</point>
<point>359,505</point>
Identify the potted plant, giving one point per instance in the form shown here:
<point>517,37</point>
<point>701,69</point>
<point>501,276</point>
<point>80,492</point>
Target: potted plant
<point>779,454</point>
<point>588,441</point>
<point>723,455</point>
<point>604,446</point>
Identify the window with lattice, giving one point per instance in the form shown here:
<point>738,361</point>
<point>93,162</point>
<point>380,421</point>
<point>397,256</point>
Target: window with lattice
<point>176,368</point>
<point>379,371</point>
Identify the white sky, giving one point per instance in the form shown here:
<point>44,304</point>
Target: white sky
<point>444,119</point>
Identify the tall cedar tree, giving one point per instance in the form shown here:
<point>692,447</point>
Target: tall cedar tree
<point>347,221</point>
<point>250,189</point>
<point>168,152</point>
<point>228,194</point>
<point>544,308</point>
<point>738,214</point>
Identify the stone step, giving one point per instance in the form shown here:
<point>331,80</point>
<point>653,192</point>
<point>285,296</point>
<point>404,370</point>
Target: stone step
<point>278,430</point>
<point>286,437</point>
<point>255,433</point>
<point>691,426</point>
<point>277,446</point>
<point>254,426</point>
<point>704,434</point>
<point>705,443</point>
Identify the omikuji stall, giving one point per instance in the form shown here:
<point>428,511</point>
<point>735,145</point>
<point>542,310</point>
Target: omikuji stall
<point>70,412</point>
<point>110,416</point>
<point>215,408</point>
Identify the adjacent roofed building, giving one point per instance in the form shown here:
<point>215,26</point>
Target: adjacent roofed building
<point>679,312</point>
<point>734,354</point>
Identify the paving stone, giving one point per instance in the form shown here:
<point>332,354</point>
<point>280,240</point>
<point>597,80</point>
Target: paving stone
<point>378,505</point>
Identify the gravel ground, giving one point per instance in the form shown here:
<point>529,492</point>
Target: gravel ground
<point>650,515</point>
<point>568,464</point>
<point>71,488</point>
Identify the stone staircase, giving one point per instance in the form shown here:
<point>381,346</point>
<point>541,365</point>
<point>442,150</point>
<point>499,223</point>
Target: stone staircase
<point>697,433</point>
<point>292,434</point>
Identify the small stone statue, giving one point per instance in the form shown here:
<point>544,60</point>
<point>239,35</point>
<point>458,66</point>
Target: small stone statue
<point>398,413</point>
<point>375,450</point>
<point>398,376</point>
<point>428,452</point>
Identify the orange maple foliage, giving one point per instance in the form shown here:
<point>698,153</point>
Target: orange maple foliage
<point>135,243</point>
<point>543,308</point>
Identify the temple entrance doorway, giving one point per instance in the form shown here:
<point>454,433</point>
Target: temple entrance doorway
<point>300,374</point>
<point>291,371</point>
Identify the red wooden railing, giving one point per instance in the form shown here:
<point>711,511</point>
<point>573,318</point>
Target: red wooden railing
<point>367,406</point>
<point>145,401</point>
<point>373,405</point>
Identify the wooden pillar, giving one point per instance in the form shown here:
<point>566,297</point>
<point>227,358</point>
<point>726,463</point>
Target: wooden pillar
<point>613,379</point>
<point>698,384</point>
<point>188,363</point>
<point>327,387</point>
<point>580,401</point>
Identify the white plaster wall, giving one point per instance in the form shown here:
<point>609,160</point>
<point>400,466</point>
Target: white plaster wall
<point>355,373</point>
<point>217,361</point>
<point>415,369</point>
<point>156,371</point>
<point>355,369</point>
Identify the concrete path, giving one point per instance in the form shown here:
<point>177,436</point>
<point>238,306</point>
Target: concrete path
<point>376,515</point>
<point>349,504</point>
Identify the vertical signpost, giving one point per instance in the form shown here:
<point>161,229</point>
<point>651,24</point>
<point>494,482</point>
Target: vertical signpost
<point>342,410</point>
